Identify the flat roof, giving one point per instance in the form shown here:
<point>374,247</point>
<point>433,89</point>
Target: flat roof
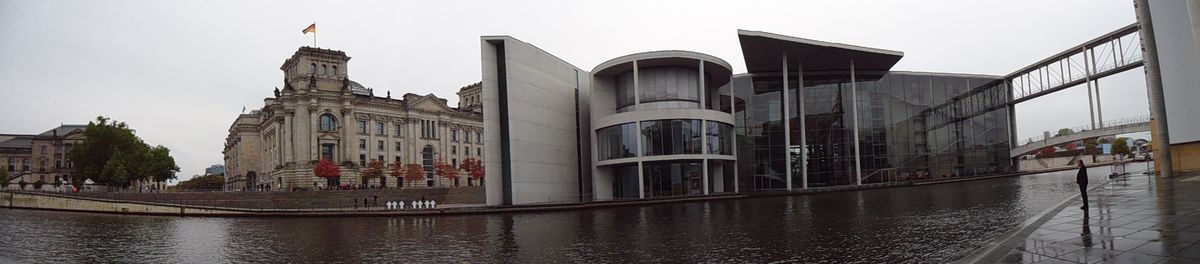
<point>763,53</point>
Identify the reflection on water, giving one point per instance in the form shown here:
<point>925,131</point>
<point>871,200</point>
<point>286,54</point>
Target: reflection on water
<point>935,223</point>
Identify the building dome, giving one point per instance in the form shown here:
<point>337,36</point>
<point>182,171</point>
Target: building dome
<point>359,89</point>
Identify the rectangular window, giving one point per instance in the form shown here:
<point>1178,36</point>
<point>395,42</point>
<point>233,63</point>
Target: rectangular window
<point>467,136</point>
<point>454,135</point>
<point>362,144</point>
<point>454,162</point>
<point>479,137</point>
<point>380,159</point>
<point>453,150</point>
<point>398,129</point>
<point>424,129</point>
<point>397,159</point>
<point>362,126</point>
<point>467,151</point>
<point>362,160</point>
<point>381,145</point>
<point>478,151</point>
<point>379,128</point>
<point>398,148</point>
<point>327,152</point>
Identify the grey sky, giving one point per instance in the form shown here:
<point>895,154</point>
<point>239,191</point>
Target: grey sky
<point>180,71</point>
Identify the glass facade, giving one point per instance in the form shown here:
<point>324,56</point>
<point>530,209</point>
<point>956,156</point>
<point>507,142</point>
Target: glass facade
<point>659,88</point>
<point>910,125</point>
<point>671,137</point>
<point>615,142</point>
<point>720,138</point>
<point>672,178</point>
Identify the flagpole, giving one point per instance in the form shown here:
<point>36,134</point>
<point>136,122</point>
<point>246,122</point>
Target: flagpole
<point>315,35</point>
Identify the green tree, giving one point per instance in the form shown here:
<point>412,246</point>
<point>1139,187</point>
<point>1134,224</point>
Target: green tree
<point>1121,147</point>
<point>3,177</point>
<point>112,155</point>
<point>1090,146</point>
<point>158,164</point>
<point>1064,132</point>
<point>206,182</point>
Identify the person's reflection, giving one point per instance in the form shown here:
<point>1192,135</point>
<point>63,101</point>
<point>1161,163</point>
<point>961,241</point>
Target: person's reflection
<point>1087,230</point>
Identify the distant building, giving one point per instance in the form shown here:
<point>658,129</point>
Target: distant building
<point>41,157</point>
<point>321,114</point>
<point>215,169</point>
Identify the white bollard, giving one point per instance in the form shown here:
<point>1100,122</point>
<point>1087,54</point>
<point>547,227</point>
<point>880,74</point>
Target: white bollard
<point>416,205</point>
<point>428,204</point>
<point>432,204</point>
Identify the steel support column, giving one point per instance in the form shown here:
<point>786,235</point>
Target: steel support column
<point>1158,108</point>
<point>854,113</point>
<point>803,132</point>
<point>787,135</point>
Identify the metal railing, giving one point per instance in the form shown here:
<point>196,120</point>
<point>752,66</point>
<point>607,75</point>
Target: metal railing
<point>1107,124</point>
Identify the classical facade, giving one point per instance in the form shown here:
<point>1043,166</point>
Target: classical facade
<point>41,157</point>
<point>321,114</point>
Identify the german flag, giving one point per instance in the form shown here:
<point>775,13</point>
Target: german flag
<point>311,28</point>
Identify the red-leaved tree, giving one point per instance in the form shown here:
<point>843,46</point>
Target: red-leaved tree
<point>441,168</point>
<point>326,169</point>
<point>474,168</point>
<point>374,169</point>
<point>413,172</point>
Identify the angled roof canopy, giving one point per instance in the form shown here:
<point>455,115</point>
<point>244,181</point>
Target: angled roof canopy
<point>763,53</point>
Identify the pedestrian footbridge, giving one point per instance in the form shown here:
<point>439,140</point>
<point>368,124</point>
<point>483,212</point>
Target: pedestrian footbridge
<point>1110,128</point>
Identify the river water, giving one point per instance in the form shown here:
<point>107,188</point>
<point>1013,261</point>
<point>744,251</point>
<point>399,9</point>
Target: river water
<point>933,223</point>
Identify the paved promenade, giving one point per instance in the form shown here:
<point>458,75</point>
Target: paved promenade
<point>1133,219</point>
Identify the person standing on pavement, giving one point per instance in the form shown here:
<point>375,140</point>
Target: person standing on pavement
<point>1081,178</point>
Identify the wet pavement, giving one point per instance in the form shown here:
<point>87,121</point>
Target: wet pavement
<point>1133,219</point>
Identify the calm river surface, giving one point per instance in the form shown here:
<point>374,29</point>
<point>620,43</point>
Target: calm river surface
<point>935,223</point>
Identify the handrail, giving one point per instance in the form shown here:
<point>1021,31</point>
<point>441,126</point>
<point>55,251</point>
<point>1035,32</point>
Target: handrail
<point>1107,124</point>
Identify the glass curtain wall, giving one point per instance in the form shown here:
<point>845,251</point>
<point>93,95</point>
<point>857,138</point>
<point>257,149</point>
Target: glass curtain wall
<point>829,134</point>
<point>625,181</point>
<point>672,178</point>
<point>911,126</point>
<point>671,137</point>
<point>619,141</point>
<point>759,114</point>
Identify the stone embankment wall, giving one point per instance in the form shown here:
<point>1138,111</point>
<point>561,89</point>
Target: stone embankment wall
<point>297,200</point>
<point>66,203</point>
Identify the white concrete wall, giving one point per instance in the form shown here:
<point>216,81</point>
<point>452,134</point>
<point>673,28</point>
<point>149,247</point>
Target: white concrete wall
<point>1179,64</point>
<point>544,150</point>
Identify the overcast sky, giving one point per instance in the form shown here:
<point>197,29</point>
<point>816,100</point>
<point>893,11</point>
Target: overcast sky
<point>179,72</point>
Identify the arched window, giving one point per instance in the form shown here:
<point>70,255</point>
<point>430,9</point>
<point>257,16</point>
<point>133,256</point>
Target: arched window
<point>328,123</point>
<point>312,68</point>
<point>335,72</point>
<point>427,163</point>
<point>324,70</point>
<point>25,165</point>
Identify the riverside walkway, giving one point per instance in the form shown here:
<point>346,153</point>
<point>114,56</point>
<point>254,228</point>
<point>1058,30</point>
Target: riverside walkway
<point>1133,219</point>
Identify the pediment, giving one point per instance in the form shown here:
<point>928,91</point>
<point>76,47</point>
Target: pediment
<point>430,103</point>
<point>328,136</point>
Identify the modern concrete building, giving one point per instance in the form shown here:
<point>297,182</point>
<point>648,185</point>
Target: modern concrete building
<point>321,114</point>
<point>807,114</point>
<point>1176,29</point>
<point>535,115</point>
<point>658,127</point>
